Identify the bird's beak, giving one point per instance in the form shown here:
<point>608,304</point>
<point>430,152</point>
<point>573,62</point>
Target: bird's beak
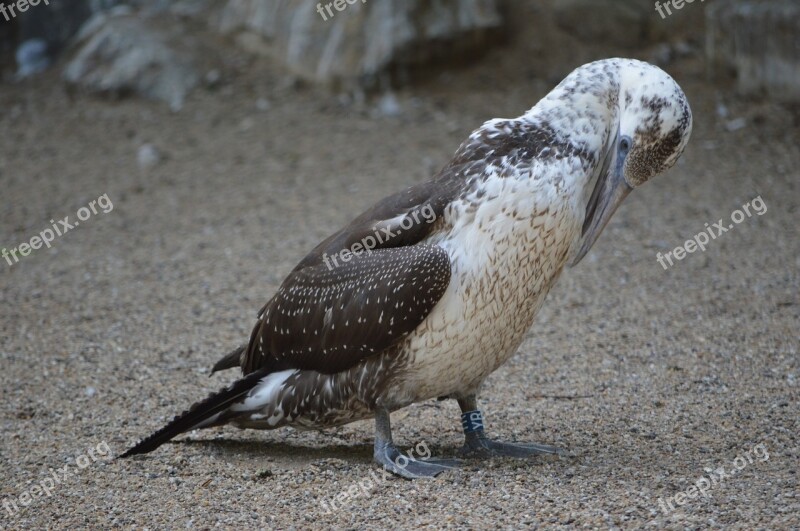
<point>609,192</point>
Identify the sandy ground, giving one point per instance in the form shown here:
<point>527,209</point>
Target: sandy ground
<point>111,332</point>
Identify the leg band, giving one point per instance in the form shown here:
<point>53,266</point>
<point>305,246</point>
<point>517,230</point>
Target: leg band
<point>472,421</point>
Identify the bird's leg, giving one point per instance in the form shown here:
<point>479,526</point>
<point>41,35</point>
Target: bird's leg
<point>408,466</point>
<point>477,445</point>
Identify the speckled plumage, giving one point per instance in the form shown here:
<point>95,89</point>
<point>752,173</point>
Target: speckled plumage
<point>438,307</point>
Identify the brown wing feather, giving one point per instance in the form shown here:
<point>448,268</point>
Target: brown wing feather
<point>328,320</point>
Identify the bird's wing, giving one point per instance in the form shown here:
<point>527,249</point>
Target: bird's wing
<point>330,320</point>
<point>333,310</point>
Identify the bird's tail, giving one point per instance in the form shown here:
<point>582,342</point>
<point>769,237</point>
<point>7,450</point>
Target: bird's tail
<point>201,415</point>
<point>229,361</point>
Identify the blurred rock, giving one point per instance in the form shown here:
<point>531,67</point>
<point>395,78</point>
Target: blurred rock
<point>364,40</point>
<point>213,78</point>
<point>736,124</point>
<point>32,57</point>
<point>59,21</point>
<point>263,104</point>
<point>148,157</point>
<point>55,23</point>
<point>117,53</point>
<point>38,34</point>
<point>758,41</point>
<point>389,106</point>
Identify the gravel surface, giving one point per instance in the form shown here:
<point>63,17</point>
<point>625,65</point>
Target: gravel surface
<point>651,377</point>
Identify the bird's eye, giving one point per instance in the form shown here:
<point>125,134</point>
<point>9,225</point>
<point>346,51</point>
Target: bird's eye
<point>625,143</point>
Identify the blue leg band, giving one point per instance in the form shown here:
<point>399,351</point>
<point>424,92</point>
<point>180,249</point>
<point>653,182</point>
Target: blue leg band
<point>472,421</point>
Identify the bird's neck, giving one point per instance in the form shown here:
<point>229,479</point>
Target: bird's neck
<point>585,114</point>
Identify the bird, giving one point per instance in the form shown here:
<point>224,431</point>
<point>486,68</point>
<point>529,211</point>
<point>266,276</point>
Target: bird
<point>432,289</point>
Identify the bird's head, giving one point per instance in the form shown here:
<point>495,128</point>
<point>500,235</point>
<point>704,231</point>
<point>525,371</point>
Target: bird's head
<point>651,126</point>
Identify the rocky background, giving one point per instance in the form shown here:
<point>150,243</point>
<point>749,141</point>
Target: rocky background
<point>149,47</point>
<point>233,135</point>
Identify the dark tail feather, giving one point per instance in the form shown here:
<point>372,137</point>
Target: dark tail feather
<point>230,360</point>
<point>198,413</point>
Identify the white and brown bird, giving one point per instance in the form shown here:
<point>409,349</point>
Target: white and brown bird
<point>428,292</point>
